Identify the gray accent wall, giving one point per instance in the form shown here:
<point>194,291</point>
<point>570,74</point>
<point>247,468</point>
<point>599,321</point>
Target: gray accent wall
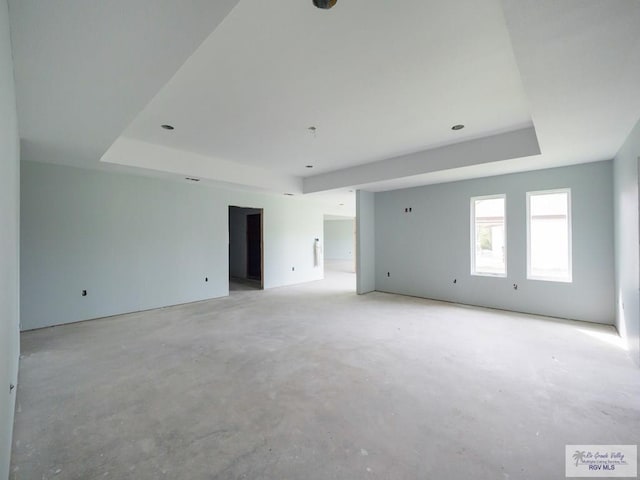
<point>136,243</point>
<point>625,174</point>
<point>365,242</point>
<point>339,241</point>
<point>423,252</point>
<point>9,243</point>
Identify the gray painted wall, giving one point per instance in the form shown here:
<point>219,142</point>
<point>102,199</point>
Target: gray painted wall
<point>627,242</point>
<point>137,243</point>
<point>339,241</point>
<point>238,241</point>
<point>424,251</point>
<point>9,242</point>
<point>365,242</point>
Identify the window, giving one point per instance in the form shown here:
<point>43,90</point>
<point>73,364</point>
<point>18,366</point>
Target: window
<point>488,236</point>
<point>549,235</point>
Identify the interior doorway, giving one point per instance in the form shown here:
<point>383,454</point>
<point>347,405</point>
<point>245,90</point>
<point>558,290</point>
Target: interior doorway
<point>246,248</point>
<point>254,246</point>
<point>339,243</point>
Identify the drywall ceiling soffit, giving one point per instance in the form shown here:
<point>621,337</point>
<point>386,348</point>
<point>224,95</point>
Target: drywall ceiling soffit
<point>220,173</point>
<point>516,144</point>
<point>85,69</point>
<point>136,153</point>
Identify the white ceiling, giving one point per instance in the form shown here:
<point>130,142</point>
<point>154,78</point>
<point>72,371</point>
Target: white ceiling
<point>376,78</point>
<point>538,83</point>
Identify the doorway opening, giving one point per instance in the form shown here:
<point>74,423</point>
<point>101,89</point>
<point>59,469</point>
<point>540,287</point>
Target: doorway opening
<point>339,244</point>
<point>246,248</point>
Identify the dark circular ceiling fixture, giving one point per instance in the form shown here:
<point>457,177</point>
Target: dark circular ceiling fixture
<point>308,166</point>
<point>167,127</point>
<point>324,4</point>
<point>457,127</point>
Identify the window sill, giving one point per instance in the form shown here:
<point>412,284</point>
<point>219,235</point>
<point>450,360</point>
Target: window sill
<point>551,279</point>
<point>491,275</point>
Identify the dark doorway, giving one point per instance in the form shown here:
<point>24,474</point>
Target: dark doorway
<point>246,256</point>
<point>254,246</point>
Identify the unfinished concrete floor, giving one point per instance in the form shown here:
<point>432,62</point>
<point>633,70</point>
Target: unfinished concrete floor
<point>313,382</point>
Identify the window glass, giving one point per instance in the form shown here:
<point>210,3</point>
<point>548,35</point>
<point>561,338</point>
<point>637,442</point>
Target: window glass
<point>488,243</point>
<point>549,235</point>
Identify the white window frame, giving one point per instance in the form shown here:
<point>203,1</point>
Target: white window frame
<point>568,279</point>
<point>473,236</point>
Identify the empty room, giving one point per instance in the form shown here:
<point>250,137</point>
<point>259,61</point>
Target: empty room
<point>319,239</point>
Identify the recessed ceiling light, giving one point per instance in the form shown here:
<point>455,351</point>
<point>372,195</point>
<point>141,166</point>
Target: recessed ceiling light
<point>289,194</point>
<point>324,4</point>
<point>191,179</point>
<point>308,166</point>
<point>167,127</point>
<point>341,204</point>
<point>457,127</point>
